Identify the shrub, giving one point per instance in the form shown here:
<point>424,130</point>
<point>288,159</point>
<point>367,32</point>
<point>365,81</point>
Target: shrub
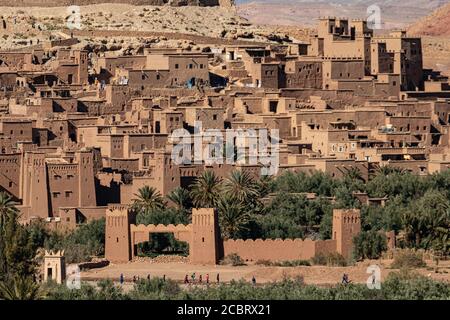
<point>407,259</point>
<point>330,260</point>
<point>369,245</point>
<point>288,263</point>
<point>233,259</point>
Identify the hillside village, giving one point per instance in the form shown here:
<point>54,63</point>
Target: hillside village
<point>99,125</point>
<point>75,124</point>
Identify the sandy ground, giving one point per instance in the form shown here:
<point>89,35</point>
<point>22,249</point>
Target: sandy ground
<point>25,24</point>
<point>318,275</point>
<point>436,51</point>
<point>33,24</point>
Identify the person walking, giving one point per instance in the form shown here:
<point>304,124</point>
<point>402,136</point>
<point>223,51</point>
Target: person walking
<point>186,279</point>
<point>345,279</point>
<point>148,277</point>
<point>207,278</point>
<point>218,278</point>
<point>254,281</point>
<point>200,279</point>
<point>164,277</point>
<point>121,278</point>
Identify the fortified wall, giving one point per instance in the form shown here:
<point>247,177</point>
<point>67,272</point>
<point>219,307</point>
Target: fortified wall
<point>206,246</point>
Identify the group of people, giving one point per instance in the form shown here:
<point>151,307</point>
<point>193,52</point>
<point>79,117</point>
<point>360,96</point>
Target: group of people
<point>200,278</point>
<point>137,278</point>
<point>345,279</point>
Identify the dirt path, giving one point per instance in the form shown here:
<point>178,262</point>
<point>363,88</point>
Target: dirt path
<point>318,275</point>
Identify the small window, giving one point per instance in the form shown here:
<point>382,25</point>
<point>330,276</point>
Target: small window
<point>177,66</point>
<point>68,194</point>
<point>215,117</point>
<point>158,77</point>
<point>55,195</point>
<point>191,66</point>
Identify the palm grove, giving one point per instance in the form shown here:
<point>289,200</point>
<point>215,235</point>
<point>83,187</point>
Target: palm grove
<point>418,209</point>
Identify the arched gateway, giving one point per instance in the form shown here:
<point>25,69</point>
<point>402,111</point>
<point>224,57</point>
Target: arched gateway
<point>123,235</point>
<point>206,246</point>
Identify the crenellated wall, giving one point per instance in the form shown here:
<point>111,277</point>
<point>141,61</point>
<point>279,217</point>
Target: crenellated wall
<point>278,249</point>
<point>206,247</point>
<point>253,250</point>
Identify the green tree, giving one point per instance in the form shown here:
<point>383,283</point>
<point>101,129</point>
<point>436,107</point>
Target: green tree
<point>8,214</point>
<point>148,198</point>
<point>20,288</point>
<point>181,198</point>
<point>206,190</point>
<point>233,217</point>
<point>369,245</point>
<point>427,220</point>
<point>16,250</point>
<point>242,187</point>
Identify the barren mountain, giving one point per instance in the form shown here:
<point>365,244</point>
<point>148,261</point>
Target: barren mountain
<point>394,14</point>
<point>436,24</point>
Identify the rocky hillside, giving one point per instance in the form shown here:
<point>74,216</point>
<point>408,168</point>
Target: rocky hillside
<point>65,3</point>
<point>436,24</point>
<point>394,13</point>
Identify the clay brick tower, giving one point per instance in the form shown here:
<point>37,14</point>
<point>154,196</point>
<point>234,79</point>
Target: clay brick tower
<point>205,236</point>
<point>117,234</point>
<point>346,225</point>
<point>35,185</point>
<point>81,58</point>
<point>86,183</point>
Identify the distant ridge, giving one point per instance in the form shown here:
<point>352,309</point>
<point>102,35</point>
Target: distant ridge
<point>436,24</point>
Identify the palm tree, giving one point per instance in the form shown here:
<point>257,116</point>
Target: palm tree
<point>20,288</point>
<point>181,198</point>
<point>354,174</point>
<point>241,186</point>
<point>8,213</point>
<point>387,170</point>
<point>8,209</point>
<point>206,189</point>
<point>265,186</point>
<point>148,198</point>
<point>233,217</point>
